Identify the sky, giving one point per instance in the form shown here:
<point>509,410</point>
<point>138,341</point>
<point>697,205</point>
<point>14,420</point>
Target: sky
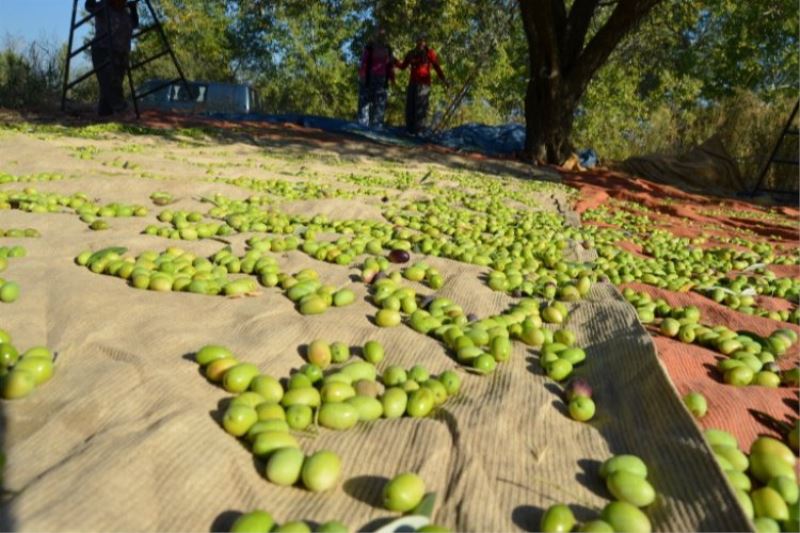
<point>36,19</point>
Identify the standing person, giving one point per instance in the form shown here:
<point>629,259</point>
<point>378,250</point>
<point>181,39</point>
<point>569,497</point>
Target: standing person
<point>374,74</point>
<point>110,56</point>
<point>421,59</point>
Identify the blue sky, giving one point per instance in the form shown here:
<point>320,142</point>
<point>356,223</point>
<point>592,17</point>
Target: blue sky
<point>36,19</point>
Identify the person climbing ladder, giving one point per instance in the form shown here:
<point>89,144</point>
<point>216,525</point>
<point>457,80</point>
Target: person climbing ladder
<point>114,22</point>
<point>420,59</point>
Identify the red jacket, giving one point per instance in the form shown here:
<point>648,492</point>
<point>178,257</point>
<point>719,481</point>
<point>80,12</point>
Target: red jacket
<point>380,60</point>
<point>421,62</point>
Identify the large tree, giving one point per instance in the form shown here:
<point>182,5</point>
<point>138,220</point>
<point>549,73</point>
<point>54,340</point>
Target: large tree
<point>566,48</point>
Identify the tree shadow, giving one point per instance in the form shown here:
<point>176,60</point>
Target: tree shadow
<point>366,489</point>
<point>793,404</point>
<point>527,517</point>
<point>711,371</point>
<point>769,421</point>
<point>290,135</point>
<point>589,476</point>
<point>375,525</point>
<point>557,391</point>
<point>561,407</point>
<point>225,521</point>
<point>302,351</point>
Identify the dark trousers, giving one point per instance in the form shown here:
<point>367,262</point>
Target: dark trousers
<point>416,107</point>
<point>110,68</point>
<point>372,102</point>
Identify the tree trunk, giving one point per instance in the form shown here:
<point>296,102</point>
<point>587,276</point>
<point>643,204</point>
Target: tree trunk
<point>561,65</point>
<point>548,121</point>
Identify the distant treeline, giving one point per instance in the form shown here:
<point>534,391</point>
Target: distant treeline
<point>692,69</point>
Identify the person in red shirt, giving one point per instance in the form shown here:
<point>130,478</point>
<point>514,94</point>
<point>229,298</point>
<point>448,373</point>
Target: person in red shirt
<point>374,74</point>
<point>420,59</point>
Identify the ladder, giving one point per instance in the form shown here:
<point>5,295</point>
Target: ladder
<point>155,25</point>
<point>787,131</point>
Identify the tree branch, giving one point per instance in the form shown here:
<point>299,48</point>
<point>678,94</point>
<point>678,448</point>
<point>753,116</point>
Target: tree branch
<point>580,17</point>
<point>549,13</point>
<point>625,17</point>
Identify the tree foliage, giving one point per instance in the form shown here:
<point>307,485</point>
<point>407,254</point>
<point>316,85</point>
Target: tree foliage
<point>667,83</point>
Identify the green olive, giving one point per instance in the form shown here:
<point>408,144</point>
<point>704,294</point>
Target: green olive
<point>299,417</point>
<point>319,353</point>
<point>368,408</point>
<point>321,471</point>
<point>451,382</point>
<point>39,367</point>
<point>622,516</point>
<point>270,411</point>
<point>766,525</point>
<point>559,370</point>
<point>266,425</point>
<point>340,352</point>
<point>248,398</point>
<point>211,352</point>
<point>394,375</point>
<point>420,403</point>
<point>333,526</point>
<point>403,492</point>
<point>717,436</point>
<point>253,522</point>
<point>336,392</point>
<point>295,526</point>
<point>768,503</point>
<point>394,402</point>
<point>313,305</point>
<point>373,352</point>
<point>696,404</point>
<point>239,419</point>
<point>557,519</point>
<point>737,459</point>
<point>8,354</point>
<point>267,442</point>
<point>596,526</point>
<point>626,462</point>
<point>308,396</point>
<point>238,377</point>
<point>343,297</point>
<point>18,384</point>
<point>387,318</point>
<point>284,466</point>
<point>630,488</point>
<point>338,416</point>
<point>358,370</point>
<point>9,292</point>
<point>500,348</point>
<point>769,445</point>
<point>268,387</point>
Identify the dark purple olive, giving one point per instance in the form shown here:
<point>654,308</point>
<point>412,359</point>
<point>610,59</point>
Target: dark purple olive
<point>472,317</point>
<point>399,256</point>
<point>578,387</point>
<point>427,301</point>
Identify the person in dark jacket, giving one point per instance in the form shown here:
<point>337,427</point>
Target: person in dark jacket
<point>374,74</point>
<point>421,59</point>
<point>114,22</point>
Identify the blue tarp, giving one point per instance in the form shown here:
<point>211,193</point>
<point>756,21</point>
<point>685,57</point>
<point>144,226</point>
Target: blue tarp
<point>489,140</point>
